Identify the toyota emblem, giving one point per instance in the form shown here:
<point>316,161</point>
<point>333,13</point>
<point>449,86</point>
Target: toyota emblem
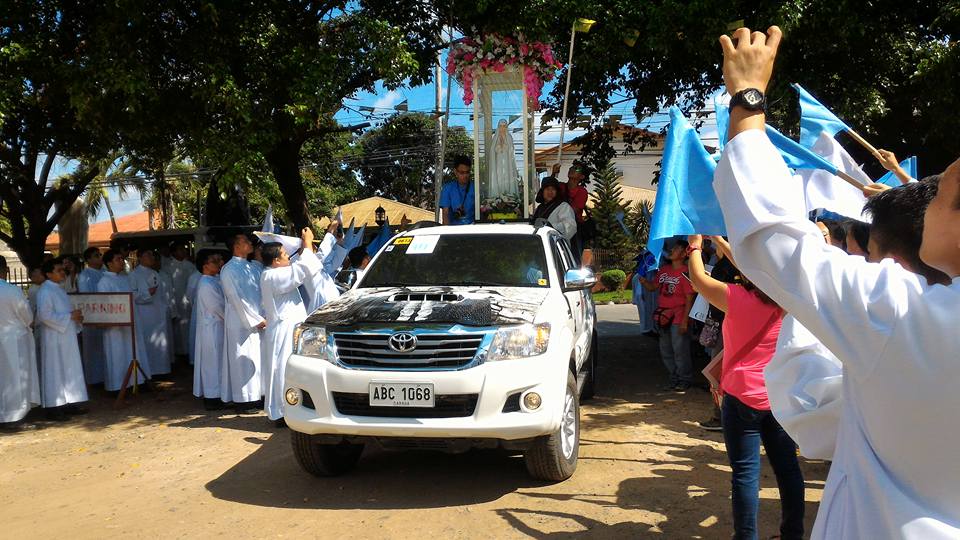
<point>402,342</point>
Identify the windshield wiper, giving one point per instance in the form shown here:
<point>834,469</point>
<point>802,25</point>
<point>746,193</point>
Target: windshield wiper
<point>478,283</point>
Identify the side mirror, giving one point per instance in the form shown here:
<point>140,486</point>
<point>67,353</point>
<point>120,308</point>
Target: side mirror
<point>578,278</point>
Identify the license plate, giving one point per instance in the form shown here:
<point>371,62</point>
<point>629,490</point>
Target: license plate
<point>401,394</point>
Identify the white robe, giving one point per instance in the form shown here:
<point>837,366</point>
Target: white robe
<point>92,341</point>
<point>283,309</point>
<point>60,362</point>
<point>563,220</point>
<point>895,472</point>
<point>805,385</point>
<point>241,338</point>
<point>208,306</point>
<point>319,287</point>
<point>19,381</point>
<point>150,316</point>
<point>173,312</point>
<point>192,284</point>
<point>117,342</point>
<point>180,272</point>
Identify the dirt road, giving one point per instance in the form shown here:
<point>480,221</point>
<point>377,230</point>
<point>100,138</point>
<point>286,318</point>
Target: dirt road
<point>163,468</point>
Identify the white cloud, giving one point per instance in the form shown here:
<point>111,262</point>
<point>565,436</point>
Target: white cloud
<point>388,100</point>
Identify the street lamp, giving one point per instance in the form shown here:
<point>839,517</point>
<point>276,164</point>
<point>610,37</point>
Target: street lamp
<point>381,216</point>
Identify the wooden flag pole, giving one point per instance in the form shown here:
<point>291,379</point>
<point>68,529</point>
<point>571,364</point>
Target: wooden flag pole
<point>863,142</point>
<point>850,180</point>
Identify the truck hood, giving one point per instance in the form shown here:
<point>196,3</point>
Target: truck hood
<point>470,306</point>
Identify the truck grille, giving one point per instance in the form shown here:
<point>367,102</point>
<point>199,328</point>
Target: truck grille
<point>433,351</point>
<point>445,406</point>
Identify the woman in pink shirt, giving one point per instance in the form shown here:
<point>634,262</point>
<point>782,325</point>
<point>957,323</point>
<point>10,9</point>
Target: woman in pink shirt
<point>750,331</point>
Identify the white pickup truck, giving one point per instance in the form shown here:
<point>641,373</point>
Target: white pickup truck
<point>454,338</point>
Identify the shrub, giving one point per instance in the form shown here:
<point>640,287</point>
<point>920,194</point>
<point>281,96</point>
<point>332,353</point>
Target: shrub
<point>613,279</point>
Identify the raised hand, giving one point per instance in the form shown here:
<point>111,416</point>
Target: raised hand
<point>749,62</point>
<point>306,238</point>
<point>888,159</point>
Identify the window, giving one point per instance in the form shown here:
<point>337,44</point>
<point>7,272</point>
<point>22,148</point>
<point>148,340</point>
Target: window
<point>506,260</point>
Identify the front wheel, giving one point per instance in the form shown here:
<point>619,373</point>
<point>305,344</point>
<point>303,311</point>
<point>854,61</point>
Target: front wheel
<point>324,459</point>
<point>554,457</point>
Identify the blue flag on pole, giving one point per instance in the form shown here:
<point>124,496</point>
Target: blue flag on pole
<point>381,239</point>
<point>909,165</point>
<point>797,156</point>
<point>815,118</point>
<point>686,203</point>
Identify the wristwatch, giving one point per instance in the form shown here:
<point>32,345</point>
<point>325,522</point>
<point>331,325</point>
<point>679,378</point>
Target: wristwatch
<point>750,99</point>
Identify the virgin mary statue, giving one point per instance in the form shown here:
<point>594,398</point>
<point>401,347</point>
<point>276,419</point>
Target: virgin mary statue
<point>502,163</point>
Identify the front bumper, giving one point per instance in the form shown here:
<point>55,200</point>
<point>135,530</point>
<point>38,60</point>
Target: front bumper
<point>492,382</point>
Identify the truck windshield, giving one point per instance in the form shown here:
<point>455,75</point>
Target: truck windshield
<point>505,260</point>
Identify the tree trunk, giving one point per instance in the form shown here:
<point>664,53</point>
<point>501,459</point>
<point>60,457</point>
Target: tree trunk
<point>74,229</point>
<point>284,161</point>
<point>113,219</point>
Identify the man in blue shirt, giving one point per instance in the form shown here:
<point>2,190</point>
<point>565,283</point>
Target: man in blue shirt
<point>456,198</point>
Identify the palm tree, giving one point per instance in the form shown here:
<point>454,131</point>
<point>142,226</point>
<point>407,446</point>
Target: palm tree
<point>117,171</point>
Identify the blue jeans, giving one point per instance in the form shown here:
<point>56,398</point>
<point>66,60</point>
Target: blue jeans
<point>675,353</point>
<point>743,429</point>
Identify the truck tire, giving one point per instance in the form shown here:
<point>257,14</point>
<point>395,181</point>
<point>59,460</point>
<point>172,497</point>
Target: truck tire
<point>590,385</point>
<point>554,457</point>
<point>324,459</point>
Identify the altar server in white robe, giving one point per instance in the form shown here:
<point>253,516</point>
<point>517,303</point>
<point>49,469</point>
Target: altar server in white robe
<point>92,342</point>
<point>208,306</point>
<point>320,287</point>
<point>61,367</point>
<point>117,343</point>
<point>192,284</point>
<point>182,267</point>
<point>805,379</point>
<point>243,325</point>
<point>283,307</point>
<point>895,471</point>
<point>150,312</point>
<point>19,381</point>
<point>165,291</point>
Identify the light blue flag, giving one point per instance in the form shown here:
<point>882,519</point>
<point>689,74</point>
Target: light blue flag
<point>686,203</point>
<point>722,110</point>
<point>381,239</point>
<point>815,118</point>
<point>796,156</point>
<point>909,165</point>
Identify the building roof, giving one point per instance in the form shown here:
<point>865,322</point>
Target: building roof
<point>630,195</point>
<point>543,156</point>
<point>364,212</point>
<point>99,232</point>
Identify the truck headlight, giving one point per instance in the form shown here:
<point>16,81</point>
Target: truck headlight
<point>313,341</point>
<point>519,341</point>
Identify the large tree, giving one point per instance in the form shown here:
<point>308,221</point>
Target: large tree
<point>43,62</point>
<point>273,72</point>
<point>398,159</point>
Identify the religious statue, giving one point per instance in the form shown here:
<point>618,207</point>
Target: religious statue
<point>502,163</point>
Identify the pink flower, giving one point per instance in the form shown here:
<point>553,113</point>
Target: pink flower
<point>468,57</point>
<point>498,67</point>
<point>524,49</point>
